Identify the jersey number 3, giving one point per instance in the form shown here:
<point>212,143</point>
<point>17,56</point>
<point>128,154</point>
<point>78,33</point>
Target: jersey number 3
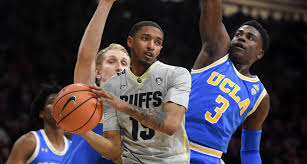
<point>219,111</point>
<point>145,135</point>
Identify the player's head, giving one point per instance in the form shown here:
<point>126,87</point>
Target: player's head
<point>249,43</point>
<point>145,42</point>
<point>42,104</point>
<point>110,60</point>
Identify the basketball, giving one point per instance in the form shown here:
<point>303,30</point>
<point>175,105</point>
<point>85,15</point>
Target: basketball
<point>77,109</point>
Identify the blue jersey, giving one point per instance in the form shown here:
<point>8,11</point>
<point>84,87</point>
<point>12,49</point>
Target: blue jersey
<point>220,100</point>
<point>82,152</point>
<point>44,151</point>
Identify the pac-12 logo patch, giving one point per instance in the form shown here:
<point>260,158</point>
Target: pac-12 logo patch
<point>255,89</point>
<point>159,80</point>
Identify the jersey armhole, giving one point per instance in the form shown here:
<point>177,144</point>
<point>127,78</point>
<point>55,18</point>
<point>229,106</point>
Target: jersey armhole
<point>37,143</point>
<point>264,92</point>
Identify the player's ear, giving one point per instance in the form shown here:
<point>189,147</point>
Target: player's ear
<point>129,41</point>
<point>98,72</point>
<point>260,54</point>
<point>41,114</point>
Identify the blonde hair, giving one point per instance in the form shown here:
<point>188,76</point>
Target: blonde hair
<point>114,46</point>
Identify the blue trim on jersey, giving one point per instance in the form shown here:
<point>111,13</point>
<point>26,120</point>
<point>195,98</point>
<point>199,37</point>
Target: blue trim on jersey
<point>220,100</point>
<point>43,153</point>
<point>81,152</point>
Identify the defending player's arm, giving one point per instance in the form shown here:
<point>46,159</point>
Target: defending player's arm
<point>215,39</point>
<point>89,46</point>
<point>169,119</point>
<point>251,133</point>
<point>22,150</point>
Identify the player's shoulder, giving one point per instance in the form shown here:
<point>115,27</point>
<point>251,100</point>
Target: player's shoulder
<point>27,140</point>
<point>172,68</point>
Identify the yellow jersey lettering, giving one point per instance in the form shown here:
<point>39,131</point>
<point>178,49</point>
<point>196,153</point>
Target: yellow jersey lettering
<point>226,81</point>
<point>243,105</point>
<point>233,93</point>
<point>219,111</point>
<point>217,80</point>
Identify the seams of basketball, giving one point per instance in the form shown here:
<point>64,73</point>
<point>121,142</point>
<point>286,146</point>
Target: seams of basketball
<point>88,119</point>
<point>67,94</point>
<point>76,109</point>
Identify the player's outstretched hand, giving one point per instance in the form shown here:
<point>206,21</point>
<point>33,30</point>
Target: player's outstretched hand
<point>110,99</point>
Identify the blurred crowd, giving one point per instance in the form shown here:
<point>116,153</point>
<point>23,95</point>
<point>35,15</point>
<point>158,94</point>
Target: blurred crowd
<point>39,43</point>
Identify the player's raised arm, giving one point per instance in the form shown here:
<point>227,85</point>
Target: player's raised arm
<point>109,144</point>
<point>215,39</point>
<point>89,46</point>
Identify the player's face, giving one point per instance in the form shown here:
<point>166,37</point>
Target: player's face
<point>46,114</point>
<point>146,44</point>
<point>113,61</point>
<point>246,45</point>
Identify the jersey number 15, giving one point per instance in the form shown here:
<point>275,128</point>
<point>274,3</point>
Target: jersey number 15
<point>145,135</point>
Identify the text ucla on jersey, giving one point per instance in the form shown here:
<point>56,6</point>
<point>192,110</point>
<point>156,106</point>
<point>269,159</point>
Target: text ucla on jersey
<point>44,152</point>
<point>220,100</point>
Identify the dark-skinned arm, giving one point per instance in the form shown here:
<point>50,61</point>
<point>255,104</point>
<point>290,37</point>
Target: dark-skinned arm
<point>22,150</point>
<point>251,133</point>
<point>215,39</point>
<point>255,120</point>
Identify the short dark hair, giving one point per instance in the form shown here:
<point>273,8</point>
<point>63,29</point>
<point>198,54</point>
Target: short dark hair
<point>39,101</point>
<point>264,34</point>
<point>139,25</point>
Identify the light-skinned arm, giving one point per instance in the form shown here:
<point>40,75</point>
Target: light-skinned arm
<point>90,43</point>
<point>107,145</point>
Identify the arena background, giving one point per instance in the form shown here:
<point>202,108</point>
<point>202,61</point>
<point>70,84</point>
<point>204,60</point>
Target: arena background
<point>39,42</point>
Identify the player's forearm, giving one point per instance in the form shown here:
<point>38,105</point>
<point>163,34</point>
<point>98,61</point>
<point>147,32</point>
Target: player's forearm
<point>153,119</point>
<point>103,145</point>
<point>92,37</point>
<point>211,17</point>
<point>89,46</point>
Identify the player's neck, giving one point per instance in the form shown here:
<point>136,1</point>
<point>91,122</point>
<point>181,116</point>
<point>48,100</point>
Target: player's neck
<point>138,69</point>
<point>243,69</point>
<point>55,135</point>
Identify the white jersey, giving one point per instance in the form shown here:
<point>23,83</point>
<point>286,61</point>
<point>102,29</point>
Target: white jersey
<point>160,84</point>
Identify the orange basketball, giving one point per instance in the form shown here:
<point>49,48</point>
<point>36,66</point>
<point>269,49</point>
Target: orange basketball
<point>77,109</point>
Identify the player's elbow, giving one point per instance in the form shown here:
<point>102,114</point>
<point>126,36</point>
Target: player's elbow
<point>172,129</point>
<point>115,156</point>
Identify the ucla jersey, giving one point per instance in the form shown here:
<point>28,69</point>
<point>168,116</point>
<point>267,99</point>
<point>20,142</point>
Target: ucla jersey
<point>81,152</point>
<point>44,151</point>
<point>220,100</point>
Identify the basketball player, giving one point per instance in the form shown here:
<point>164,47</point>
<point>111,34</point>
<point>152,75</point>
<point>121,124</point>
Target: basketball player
<point>47,145</point>
<point>89,66</point>
<point>147,102</point>
<point>224,93</point>
<point>108,61</point>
